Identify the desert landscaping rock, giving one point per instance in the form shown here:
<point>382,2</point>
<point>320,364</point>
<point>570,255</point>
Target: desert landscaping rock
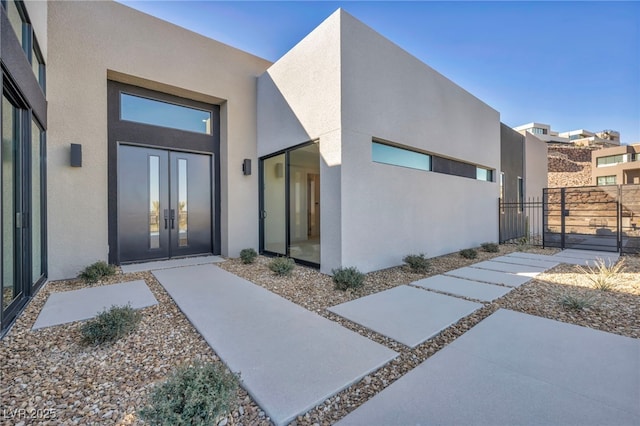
<point>48,368</point>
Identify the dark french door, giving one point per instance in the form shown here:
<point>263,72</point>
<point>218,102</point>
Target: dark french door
<point>164,204</point>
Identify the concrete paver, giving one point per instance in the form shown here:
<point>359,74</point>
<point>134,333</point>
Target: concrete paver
<point>514,368</point>
<point>461,287</point>
<point>290,359</point>
<point>76,305</point>
<point>486,275</point>
<point>406,314</point>
<point>171,263</point>
<point>522,270</point>
<point>541,263</point>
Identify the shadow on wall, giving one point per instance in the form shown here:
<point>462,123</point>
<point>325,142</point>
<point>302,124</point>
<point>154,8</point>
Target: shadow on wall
<point>278,125</point>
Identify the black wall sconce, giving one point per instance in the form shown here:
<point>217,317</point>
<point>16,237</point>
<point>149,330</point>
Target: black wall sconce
<point>76,155</point>
<point>246,167</point>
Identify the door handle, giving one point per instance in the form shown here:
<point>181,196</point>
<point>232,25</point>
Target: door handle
<point>166,218</point>
<point>173,218</point>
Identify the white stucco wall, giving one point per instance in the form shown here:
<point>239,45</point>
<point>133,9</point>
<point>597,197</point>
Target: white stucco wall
<point>88,40</point>
<point>345,84</point>
<point>390,211</point>
<point>535,165</point>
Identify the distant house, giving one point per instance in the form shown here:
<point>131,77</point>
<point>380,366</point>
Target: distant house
<point>616,166</point>
<point>578,137</point>
<point>126,138</point>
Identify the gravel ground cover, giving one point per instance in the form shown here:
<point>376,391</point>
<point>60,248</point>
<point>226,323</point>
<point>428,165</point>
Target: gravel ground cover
<point>49,369</point>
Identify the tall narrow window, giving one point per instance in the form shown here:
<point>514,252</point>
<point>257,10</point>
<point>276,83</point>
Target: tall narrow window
<point>520,194</point>
<point>9,207</point>
<point>182,203</point>
<point>502,200</point>
<point>154,202</point>
<point>36,203</point>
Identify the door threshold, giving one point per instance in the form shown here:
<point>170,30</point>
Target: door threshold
<point>170,263</point>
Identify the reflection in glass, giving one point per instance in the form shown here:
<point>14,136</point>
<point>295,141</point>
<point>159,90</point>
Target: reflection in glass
<point>304,203</point>
<point>274,204</point>
<point>15,19</point>
<point>154,202</point>
<point>484,174</point>
<point>395,156</point>
<point>36,211</point>
<point>157,113</point>
<point>182,203</point>
<point>9,283</point>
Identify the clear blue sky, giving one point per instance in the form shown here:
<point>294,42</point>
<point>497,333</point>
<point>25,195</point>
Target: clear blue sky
<point>569,64</point>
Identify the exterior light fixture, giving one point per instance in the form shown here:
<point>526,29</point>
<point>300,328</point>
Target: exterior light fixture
<point>75,159</point>
<point>246,167</point>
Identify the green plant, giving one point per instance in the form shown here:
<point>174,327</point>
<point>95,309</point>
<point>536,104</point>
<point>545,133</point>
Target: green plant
<point>248,255</point>
<point>490,247</point>
<point>200,394</point>
<point>110,325</point>
<point>92,273</point>
<point>417,262</point>
<point>577,303</point>
<point>603,275</point>
<point>523,244</point>
<point>469,253</point>
<point>282,265</point>
<point>346,278</point>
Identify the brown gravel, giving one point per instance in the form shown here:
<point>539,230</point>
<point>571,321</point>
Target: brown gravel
<point>47,368</point>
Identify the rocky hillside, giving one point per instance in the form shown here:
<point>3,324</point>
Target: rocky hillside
<point>569,166</point>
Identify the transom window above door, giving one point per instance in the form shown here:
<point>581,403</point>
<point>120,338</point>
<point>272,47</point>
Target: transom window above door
<point>159,113</point>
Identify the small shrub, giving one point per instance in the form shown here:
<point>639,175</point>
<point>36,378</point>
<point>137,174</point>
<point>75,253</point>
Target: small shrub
<point>523,244</point>
<point>248,255</point>
<point>94,272</point>
<point>346,278</point>
<point>282,265</point>
<point>417,262</point>
<point>490,247</point>
<point>469,253</point>
<point>604,276</point>
<point>576,303</point>
<point>200,394</point>
<point>110,325</point>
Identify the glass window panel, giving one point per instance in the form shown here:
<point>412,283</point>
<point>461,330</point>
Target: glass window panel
<point>304,203</point>
<point>395,156</point>
<point>35,64</point>
<point>606,180</point>
<point>520,194</point>
<point>9,283</point>
<point>484,174</point>
<point>274,204</point>
<point>154,202</point>
<point>16,20</point>
<point>36,203</point>
<point>158,113</point>
<point>182,203</point>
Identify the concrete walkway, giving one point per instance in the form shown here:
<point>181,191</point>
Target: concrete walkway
<point>514,368</point>
<point>77,305</point>
<point>290,359</point>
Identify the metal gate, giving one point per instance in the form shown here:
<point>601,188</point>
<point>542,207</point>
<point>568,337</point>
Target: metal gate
<point>604,218</point>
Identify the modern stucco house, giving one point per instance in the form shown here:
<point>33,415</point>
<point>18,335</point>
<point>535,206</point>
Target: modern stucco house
<point>126,138</point>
